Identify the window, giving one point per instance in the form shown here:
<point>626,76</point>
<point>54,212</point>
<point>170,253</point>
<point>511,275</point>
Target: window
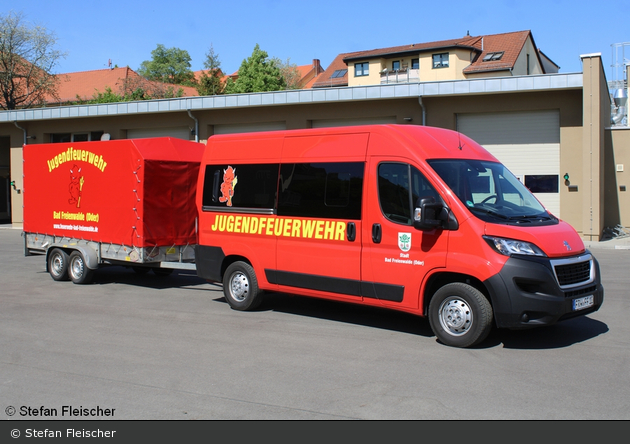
<point>542,183</point>
<point>440,60</point>
<point>395,180</point>
<point>75,137</point>
<point>361,69</point>
<point>338,73</point>
<point>396,65</point>
<point>323,190</point>
<point>415,63</point>
<point>492,56</point>
<point>238,185</point>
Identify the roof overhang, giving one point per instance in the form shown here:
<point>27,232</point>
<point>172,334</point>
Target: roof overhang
<point>483,86</point>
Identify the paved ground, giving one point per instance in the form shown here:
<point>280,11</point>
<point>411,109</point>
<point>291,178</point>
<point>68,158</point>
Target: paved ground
<point>170,348</point>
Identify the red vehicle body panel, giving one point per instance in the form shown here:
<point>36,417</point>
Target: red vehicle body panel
<point>138,192</point>
<point>462,251</point>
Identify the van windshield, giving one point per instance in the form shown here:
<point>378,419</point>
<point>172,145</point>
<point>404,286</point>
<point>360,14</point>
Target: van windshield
<point>491,192</point>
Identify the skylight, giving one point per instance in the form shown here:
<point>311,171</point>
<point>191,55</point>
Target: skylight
<point>492,56</point>
<point>338,73</point>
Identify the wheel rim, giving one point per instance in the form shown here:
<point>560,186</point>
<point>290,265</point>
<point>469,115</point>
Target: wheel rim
<point>239,286</point>
<point>77,267</point>
<point>456,316</point>
<point>56,264</point>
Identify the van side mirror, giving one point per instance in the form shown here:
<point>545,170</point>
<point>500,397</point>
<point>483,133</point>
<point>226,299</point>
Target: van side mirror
<point>429,214</point>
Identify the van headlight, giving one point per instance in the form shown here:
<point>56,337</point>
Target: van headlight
<point>508,247</point>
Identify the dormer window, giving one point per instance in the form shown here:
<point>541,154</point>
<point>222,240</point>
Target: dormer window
<point>493,56</point>
<point>361,69</point>
<point>440,60</point>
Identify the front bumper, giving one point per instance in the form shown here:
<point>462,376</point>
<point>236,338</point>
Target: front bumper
<point>533,291</point>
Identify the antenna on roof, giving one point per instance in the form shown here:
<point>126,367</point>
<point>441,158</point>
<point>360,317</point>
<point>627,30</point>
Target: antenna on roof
<point>109,63</point>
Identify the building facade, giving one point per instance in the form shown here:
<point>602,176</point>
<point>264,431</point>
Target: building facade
<point>552,130</point>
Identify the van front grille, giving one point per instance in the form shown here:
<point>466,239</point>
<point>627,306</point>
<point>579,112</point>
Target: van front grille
<point>573,272</point>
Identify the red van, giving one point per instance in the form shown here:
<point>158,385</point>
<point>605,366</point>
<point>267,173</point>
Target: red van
<point>411,218</point>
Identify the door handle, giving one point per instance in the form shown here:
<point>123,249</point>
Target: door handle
<point>351,231</point>
<point>376,233</point>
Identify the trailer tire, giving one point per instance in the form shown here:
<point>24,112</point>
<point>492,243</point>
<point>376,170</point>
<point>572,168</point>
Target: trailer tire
<point>58,264</point>
<point>460,315</point>
<point>240,287</point>
<point>77,269</point>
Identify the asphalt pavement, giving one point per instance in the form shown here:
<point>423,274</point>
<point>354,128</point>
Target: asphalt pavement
<point>145,347</point>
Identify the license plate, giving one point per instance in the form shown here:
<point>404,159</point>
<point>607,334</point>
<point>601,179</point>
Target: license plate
<point>582,303</point>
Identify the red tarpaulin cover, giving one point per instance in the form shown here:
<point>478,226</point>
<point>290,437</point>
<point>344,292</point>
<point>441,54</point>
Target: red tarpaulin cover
<point>138,192</point>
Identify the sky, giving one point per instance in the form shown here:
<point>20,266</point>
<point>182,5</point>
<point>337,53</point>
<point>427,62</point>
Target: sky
<point>92,33</point>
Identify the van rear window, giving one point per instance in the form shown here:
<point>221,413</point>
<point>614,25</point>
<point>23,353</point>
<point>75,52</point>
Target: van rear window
<point>321,190</point>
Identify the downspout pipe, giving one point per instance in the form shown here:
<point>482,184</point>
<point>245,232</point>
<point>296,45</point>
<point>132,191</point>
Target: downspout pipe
<point>424,111</point>
<point>196,125</point>
<point>24,130</point>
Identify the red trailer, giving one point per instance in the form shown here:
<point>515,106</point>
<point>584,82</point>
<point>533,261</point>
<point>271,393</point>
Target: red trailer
<point>123,202</point>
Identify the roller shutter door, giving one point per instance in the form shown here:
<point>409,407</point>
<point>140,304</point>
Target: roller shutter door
<point>527,143</point>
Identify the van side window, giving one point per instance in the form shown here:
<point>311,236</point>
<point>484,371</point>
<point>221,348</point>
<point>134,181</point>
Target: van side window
<point>321,190</point>
<point>399,187</point>
<point>240,185</point>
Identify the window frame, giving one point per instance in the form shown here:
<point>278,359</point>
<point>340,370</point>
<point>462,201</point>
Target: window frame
<point>440,60</point>
<point>362,69</point>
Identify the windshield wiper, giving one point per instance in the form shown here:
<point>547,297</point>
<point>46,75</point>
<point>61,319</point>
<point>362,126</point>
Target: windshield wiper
<point>490,212</point>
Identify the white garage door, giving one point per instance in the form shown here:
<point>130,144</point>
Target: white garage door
<point>527,143</point>
<point>143,133</point>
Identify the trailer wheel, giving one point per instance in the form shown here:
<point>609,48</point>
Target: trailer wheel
<point>460,315</point>
<point>78,270</point>
<point>58,264</point>
<point>240,287</point>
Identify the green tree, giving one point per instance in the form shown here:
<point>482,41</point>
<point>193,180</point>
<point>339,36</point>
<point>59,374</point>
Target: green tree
<point>168,65</point>
<point>210,80</point>
<point>257,74</point>
<point>28,55</point>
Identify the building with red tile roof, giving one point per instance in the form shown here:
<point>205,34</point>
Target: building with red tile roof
<point>507,54</point>
<point>83,86</point>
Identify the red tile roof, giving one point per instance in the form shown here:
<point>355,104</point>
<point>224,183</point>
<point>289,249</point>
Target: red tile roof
<point>84,85</point>
<point>510,44</point>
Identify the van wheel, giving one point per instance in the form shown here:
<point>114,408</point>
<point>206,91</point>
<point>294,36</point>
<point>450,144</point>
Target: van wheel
<point>240,287</point>
<point>77,269</point>
<point>58,264</point>
<point>460,315</point>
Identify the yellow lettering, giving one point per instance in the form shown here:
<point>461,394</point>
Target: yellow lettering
<point>237,224</point>
<point>295,232</point>
<point>261,224</point>
<point>320,228</point>
<point>287,227</point>
<point>277,229</point>
<point>230,224</point>
<point>270,224</point>
<point>340,233</point>
<point>329,229</point>
<point>308,226</point>
<point>253,229</point>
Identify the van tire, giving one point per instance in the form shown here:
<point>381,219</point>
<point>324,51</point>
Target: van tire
<point>58,264</point>
<point>77,269</point>
<point>240,287</point>
<point>460,315</point>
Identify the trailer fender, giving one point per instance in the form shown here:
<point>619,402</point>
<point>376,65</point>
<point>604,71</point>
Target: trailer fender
<point>91,259</point>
